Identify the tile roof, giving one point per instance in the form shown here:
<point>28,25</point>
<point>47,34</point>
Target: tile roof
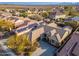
<point>76,50</point>
<point>57,33</point>
<point>71,47</point>
<point>1,34</point>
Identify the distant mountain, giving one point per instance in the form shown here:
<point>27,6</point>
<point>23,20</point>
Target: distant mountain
<point>41,3</point>
<point>69,3</point>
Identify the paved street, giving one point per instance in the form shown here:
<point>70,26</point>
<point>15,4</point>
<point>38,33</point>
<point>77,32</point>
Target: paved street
<point>44,50</point>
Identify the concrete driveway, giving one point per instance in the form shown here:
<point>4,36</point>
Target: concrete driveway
<point>6,50</point>
<point>45,49</point>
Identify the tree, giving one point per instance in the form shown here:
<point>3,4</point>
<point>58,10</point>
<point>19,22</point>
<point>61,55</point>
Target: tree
<point>44,14</point>
<point>23,14</point>
<point>36,17</point>
<point>12,42</point>
<point>6,25</point>
<point>22,10</point>
<point>19,43</point>
<point>73,24</point>
<point>71,11</point>
<point>1,22</point>
<point>9,26</point>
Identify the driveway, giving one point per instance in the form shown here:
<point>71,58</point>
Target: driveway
<point>45,49</point>
<point>6,50</point>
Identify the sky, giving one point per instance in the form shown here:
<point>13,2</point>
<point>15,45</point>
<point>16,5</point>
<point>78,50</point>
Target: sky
<point>41,3</point>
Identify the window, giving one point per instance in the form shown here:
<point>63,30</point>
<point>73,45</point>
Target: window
<point>58,37</point>
<point>52,41</point>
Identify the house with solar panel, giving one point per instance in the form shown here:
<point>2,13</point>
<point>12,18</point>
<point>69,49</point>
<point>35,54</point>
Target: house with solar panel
<point>76,18</point>
<point>15,20</point>
<point>26,27</point>
<point>56,35</point>
<point>1,35</point>
<point>6,14</point>
<point>34,31</point>
<point>58,13</point>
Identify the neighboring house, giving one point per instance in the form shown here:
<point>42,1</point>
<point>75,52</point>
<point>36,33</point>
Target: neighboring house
<point>26,28</point>
<point>76,18</point>
<point>71,48</point>
<point>40,23</point>
<point>17,21</point>
<point>61,16</point>
<point>35,12</point>
<point>1,35</point>
<point>6,14</point>
<point>22,31</point>
<point>29,12</point>
<point>56,35</point>
<point>68,19</point>
<point>17,13</point>
<point>51,16</point>
<point>47,20</point>
<point>77,8</point>
<point>58,14</point>
<point>33,29</point>
<point>3,17</point>
<point>7,10</point>
<point>34,32</point>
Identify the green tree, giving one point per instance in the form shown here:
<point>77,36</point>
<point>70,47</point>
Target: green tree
<point>73,24</point>
<point>24,14</point>
<point>45,14</point>
<point>36,17</point>
<point>6,25</point>
<point>12,42</point>
<point>19,43</point>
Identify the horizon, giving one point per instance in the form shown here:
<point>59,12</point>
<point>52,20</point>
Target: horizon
<point>40,3</point>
